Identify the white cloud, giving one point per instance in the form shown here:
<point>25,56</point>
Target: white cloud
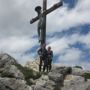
<point>59,45</point>
<point>17,44</point>
<point>85,40</point>
<point>70,55</point>
<point>63,19</point>
<point>16,32</point>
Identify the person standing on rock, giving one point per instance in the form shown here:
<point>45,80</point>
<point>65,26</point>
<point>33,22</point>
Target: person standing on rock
<point>50,57</point>
<point>42,52</point>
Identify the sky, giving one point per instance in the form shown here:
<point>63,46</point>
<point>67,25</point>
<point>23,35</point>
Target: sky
<point>68,31</point>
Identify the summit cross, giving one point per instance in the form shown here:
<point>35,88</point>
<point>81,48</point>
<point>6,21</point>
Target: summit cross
<point>42,13</point>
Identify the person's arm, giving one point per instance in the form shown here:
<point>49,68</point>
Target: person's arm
<point>39,52</point>
<point>52,54</point>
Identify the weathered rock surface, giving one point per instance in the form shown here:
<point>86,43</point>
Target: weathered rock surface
<point>54,79</point>
<point>73,82</point>
<point>78,71</point>
<point>39,88</point>
<point>13,71</point>
<point>59,78</point>
<point>13,84</point>
<point>43,83</point>
<point>6,60</point>
<point>8,68</point>
<point>33,65</point>
<point>11,78</point>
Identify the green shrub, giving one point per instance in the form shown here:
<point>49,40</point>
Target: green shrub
<point>56,88</point>
<point>78,67</point>
<point>4,74</point>
<point>44,73</point>
<point>1,71</point>
<point>86,75</point>
<point>69,70</point>
<point>28,73</point>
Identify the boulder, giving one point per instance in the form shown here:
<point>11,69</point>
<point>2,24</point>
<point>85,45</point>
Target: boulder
<point>42,81</point>
<point>88,88</point>
<point>78,71</point>
<point>50,85</point>
<point>39,88</point>
<point>73,82</point>
<point>12,71</point>
<point>33,65</point>
<point>57,77</point>
<point>13,84</point>
<point>8,67</point>
<point>59,73</point>
<point>6,60</point>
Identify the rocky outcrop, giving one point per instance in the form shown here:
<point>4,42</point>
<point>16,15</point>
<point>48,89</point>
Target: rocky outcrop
<point>44,83</point>
<point>53,80</point>
<point>78,71</point>
<point>61,78</point>
<point>8,68</point>
<point>15,77</point>
<point>33,65</point>
<point>11,78</point>
<point>12,71</point>
<point>13,84</point>
<point>73,82</point>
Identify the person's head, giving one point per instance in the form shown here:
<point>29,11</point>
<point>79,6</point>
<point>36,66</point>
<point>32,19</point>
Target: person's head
<point>49,48</point>
<point>44,45</point>
<point>38,9</point>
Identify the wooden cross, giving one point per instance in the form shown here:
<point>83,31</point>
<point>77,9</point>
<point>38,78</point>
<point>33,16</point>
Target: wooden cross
<point>44,14</point>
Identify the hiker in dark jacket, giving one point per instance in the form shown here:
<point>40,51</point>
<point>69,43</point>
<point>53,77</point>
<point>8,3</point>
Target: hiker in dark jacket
<point>42,52</point>
<point>50,57</point>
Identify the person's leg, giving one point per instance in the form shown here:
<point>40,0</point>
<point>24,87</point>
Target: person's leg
<point>47,65</point>
<point>40,65</point>
<point>44,66</point>
<point>50,65</point>
<point>47,68</point>
<point>39,36</point>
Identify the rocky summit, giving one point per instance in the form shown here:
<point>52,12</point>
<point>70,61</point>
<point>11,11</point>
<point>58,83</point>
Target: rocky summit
<point>13,76</point>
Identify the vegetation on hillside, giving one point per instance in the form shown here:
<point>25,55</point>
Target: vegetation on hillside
<point>78,67</point>
<point>86,76</point>
<point>28,73</point>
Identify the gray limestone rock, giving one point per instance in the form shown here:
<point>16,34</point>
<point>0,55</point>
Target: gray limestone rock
<point>75,83</point>
<point>8,68</point>
<point>13,71</point>
<point>13,84</point>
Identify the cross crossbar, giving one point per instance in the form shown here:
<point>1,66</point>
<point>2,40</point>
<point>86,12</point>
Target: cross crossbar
<point>54,7</point>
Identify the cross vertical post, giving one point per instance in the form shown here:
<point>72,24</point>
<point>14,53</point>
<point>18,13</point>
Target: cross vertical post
<point>44,23</point>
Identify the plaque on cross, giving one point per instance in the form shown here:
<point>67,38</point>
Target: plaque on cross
<point>42,13</point>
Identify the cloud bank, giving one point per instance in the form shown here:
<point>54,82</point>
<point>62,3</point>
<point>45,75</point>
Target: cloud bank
<point>17,35</point>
